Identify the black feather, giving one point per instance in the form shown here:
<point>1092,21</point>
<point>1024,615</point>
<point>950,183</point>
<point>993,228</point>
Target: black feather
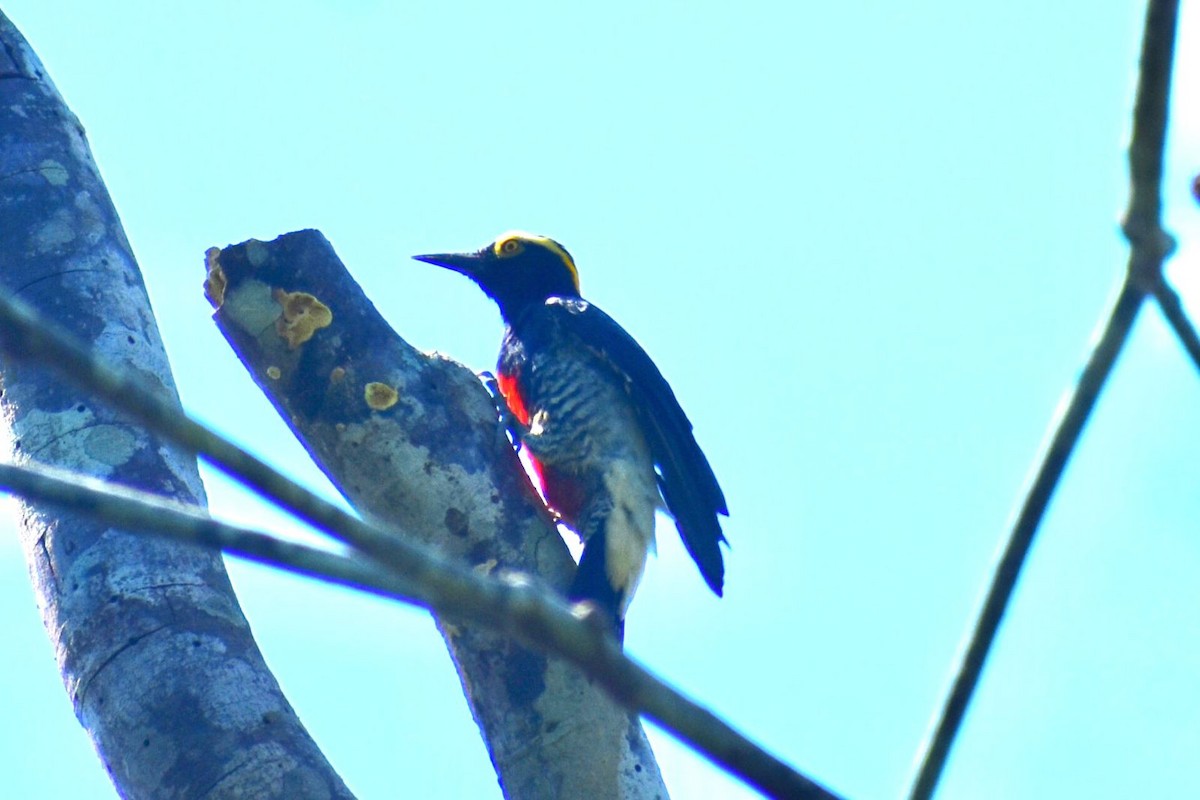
<point>591,582</point>
<point>686,480</point>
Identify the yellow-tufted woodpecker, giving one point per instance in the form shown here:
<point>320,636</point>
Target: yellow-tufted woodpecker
<point>606,435</point>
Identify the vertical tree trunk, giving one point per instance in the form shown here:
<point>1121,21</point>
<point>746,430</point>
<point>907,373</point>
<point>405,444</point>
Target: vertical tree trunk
<point>154,651</point>
<point>413,439</point>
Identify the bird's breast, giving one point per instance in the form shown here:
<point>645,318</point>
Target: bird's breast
<point>583,421</point>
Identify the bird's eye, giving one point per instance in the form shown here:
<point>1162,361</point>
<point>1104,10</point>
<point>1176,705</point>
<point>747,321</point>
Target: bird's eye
<point>510,247</point>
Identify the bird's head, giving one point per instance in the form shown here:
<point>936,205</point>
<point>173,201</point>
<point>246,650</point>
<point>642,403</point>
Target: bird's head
<point>517,270</point>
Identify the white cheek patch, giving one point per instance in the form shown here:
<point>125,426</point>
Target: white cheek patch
<point>629,529</point>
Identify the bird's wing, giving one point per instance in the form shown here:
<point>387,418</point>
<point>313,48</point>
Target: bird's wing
<point>686,480</point>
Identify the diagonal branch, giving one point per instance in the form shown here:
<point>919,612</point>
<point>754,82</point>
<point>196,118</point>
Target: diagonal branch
<point>1067,429</point>
<point>1150,245</point>
<point>154,515</point>
<point>516,606</point>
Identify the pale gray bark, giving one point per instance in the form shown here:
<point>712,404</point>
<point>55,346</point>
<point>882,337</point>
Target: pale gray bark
<point>413,439</point>
<point>152,645</point>
<point>153,648</point>
<point>385,560</point>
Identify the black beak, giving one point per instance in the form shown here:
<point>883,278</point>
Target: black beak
<point>467,264</point>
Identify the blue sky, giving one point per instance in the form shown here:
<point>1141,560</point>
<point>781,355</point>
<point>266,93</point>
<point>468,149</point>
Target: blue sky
<point>867,243</point>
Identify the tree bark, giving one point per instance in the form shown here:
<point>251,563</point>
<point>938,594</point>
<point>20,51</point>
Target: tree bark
<point>413,439</point>
<point>153,647</point>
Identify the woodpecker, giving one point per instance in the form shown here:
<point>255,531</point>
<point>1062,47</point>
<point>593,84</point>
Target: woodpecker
<point>607,438</point>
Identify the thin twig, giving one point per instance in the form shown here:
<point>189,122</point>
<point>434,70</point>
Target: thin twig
<point>1150,246</point>
<point>515,605</point>
<point>1172,308</point>
<point>142,512</point>
<point>1008,568</point>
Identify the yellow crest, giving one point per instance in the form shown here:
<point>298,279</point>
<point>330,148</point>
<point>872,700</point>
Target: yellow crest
<point>513,243</point>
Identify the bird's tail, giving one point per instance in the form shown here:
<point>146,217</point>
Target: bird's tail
<point>593,585</point>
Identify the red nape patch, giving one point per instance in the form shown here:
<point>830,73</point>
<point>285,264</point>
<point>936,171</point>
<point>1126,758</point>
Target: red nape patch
<point>563,492</point>
<point>512,396</point>
<point>535,470</point>
<point>516,404</point>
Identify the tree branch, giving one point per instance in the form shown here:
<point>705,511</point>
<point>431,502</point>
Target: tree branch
<point>413,440</point>
<point>464,595</point>
<point>1150,245</point>
<point>1177,318</point>
<point>153,515</point>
